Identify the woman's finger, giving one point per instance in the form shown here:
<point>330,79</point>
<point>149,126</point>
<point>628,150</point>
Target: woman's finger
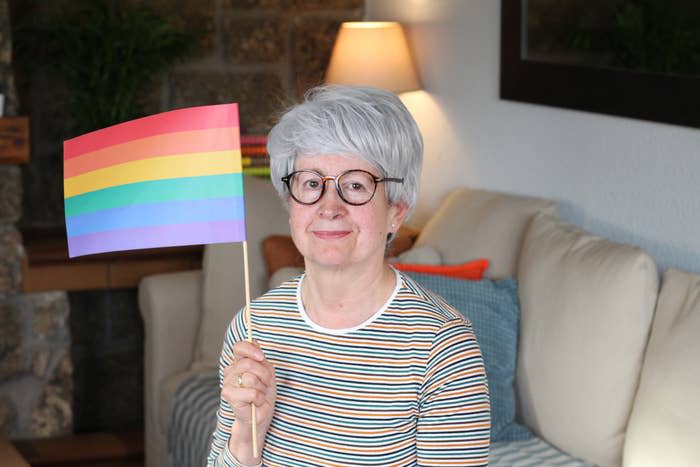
<point>245,349</point>
<point>244,397</point>
<point>261,370</point>
<point>247,380</point>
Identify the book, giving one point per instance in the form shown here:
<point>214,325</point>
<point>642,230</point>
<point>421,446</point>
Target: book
<point>247,140</point>
<point>255,161</point>
<point>253,150</point>
<point>257,171</point>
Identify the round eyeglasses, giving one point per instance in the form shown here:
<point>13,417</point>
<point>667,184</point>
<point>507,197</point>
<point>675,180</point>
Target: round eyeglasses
<point>355,187</point>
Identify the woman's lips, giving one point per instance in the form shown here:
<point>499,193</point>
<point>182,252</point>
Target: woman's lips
<point>331,234</point>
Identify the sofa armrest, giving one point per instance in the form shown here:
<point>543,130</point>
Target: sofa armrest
<point>170,305</point>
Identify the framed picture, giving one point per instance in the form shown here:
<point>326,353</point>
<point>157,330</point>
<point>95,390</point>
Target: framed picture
<point>632,58</point>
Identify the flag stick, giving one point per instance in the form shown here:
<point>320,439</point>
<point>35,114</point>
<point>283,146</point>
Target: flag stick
<point>249,325</point>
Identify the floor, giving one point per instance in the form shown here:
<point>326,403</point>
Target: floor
<point>94,450</point>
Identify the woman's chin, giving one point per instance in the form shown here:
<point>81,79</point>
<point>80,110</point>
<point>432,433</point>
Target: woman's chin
<point>330,264</point>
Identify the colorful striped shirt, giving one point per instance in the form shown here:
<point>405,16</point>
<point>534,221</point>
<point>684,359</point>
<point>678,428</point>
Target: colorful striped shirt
<point>405,388</point>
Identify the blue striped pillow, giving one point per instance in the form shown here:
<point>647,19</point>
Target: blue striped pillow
<point>494,311</point>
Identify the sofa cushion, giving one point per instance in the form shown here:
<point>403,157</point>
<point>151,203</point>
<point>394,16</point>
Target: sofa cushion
<point>473,224</point>
<point>223,284</point>
<point>418,255</point>
<point>664,428</point>
<point>586,311</point>
<point>492,308</point>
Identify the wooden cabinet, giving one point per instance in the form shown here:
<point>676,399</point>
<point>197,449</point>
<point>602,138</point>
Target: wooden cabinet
<point>14,140</point>
<point>47,266</point>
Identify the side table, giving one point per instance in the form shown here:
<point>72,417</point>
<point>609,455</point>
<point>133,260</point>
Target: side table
<point>9,456</point>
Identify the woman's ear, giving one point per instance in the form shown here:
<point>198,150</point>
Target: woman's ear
<point>397,214</point>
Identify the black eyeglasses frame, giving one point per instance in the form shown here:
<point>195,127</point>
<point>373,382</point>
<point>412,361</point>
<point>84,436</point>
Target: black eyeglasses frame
<point>325,178</point>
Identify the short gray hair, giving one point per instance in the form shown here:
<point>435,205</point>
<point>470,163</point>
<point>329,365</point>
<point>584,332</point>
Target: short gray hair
<point>353,121</point>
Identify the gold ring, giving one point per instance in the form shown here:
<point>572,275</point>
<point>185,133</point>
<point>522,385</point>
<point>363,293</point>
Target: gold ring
<point>240,381</point>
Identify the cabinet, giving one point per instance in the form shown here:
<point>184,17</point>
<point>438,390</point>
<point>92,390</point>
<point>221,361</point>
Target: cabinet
<point>14,140</point>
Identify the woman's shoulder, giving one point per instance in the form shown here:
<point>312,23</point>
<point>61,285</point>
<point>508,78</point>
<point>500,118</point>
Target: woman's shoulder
<point>423,302</point>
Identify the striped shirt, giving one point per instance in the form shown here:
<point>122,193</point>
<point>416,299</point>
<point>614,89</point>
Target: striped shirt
<point>405,388</point>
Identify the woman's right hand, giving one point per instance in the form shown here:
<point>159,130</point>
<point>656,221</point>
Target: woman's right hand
<point>258,386</point>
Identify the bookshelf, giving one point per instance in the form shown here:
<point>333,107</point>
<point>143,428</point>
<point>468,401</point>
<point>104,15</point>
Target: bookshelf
<point>254,157</point>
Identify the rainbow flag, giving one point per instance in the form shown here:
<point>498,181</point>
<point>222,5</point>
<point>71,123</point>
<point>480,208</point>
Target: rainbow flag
<point>169,179</point>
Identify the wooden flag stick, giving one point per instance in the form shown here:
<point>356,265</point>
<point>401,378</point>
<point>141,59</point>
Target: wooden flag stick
<point>249,325</point>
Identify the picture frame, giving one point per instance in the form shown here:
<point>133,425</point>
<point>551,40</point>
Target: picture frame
<point>673,99</point>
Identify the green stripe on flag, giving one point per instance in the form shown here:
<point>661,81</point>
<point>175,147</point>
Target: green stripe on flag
<point>205,187</point>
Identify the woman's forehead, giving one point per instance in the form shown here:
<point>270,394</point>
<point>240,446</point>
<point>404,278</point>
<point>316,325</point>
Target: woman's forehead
<point>329,163</point>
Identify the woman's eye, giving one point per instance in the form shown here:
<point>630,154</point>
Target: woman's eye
<point>312,184</point>
<point>355,186</point>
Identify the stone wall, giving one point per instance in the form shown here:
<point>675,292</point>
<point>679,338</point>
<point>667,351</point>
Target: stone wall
<point>35,364</point>
<point>7,81</point>
<point>262,54</point>
<point>36,386</point>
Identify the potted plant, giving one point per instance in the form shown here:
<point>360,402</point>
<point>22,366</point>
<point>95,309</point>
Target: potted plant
<point>107,53</point>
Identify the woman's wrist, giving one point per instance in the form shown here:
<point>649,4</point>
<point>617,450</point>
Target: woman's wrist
<point>236,460</point>
<point>240,445</point>
<point>242,455</point>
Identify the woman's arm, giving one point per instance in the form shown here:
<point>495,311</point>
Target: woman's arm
<point>454,423</point>
<point>241,362</point>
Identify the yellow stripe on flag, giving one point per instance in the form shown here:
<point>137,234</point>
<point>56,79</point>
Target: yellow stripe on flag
<point>159,168</point>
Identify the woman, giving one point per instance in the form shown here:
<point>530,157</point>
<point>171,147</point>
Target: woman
<point>354,363</point>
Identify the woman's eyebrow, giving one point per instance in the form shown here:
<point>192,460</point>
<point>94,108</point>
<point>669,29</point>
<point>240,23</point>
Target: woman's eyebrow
<point>318,171</point>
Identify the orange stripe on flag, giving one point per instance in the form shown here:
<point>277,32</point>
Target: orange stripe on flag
<point>183,142</point>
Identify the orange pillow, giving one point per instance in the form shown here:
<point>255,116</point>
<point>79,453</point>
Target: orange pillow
<point>473,270</point>
<point>403,241</point>
<point>279,251</point>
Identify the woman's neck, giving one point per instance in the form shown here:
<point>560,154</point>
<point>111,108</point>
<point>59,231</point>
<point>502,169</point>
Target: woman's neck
<point>342,298</point>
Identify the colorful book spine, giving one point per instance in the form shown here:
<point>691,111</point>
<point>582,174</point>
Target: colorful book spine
<point>255,162</point>
<point>248,140</point>
<point>257,171</point>
<point>254,151</point>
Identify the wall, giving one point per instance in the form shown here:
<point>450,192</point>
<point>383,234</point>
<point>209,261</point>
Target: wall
<point>35,365</point>
<point>627,180</point>
<point>259,53</point>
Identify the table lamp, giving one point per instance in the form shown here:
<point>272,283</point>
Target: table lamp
<point>373,53</point>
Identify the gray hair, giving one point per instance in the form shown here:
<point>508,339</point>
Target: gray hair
<point>353,121</point>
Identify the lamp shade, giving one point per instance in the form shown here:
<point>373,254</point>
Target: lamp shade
<point>373,54</point>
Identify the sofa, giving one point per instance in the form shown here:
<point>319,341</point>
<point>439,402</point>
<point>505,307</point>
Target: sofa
<point>606,356</point>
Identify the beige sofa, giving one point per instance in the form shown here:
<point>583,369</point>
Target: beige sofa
<point>608,369</point>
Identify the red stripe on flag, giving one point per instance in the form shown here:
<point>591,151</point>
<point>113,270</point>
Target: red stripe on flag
<point>192,118</point>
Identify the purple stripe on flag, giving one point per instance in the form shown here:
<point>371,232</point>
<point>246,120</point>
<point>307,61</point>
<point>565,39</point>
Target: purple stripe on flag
<point>157,236</point>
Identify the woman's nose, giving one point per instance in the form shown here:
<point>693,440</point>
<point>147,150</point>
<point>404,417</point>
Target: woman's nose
<point>331,204</point>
